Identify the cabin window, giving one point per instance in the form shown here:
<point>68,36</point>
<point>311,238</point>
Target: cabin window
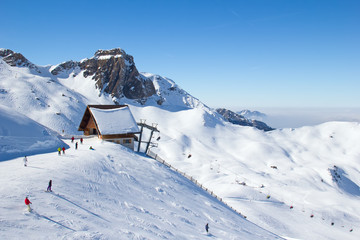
<point>127,141</point>
<point>94,131</point>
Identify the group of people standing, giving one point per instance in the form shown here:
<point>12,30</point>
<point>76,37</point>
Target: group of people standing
<point>63,150</point>
<point>72,140</point>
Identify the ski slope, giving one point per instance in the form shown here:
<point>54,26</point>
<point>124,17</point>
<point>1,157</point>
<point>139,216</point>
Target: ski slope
<point>110,193</point>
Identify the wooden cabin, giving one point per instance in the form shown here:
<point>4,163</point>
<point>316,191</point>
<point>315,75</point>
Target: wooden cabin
<point>114,123</point>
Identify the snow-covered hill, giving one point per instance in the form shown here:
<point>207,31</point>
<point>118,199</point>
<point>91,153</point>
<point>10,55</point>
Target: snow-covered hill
<point>263,174</point>
<point>110,193</point>
<point>41,98</point>
<point>21,136</point>
<point>314,170</point>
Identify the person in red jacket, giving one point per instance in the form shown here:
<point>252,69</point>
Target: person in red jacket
<point>27,203</point>
<point>63,150</point>
<point>72,139</point>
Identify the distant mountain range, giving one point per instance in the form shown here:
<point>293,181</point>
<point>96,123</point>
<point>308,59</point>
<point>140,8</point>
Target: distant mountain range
<point>254,115</point>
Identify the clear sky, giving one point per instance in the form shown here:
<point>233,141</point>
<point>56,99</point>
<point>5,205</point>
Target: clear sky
<point>244,53</point>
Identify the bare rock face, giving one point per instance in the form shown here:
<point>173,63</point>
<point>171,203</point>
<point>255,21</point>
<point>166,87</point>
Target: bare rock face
<point>16,59</point>
<point>114,72</point>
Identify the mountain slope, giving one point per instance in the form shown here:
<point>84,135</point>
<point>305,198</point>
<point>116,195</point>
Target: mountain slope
<point>20,136</point>
<point>292,166</point>
<point>110,193</point>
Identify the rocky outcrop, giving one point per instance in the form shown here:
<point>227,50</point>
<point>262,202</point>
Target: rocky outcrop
<point>238,119</point>
<point>65,67</point>
<point>114,72</point>
<point>16,59</point>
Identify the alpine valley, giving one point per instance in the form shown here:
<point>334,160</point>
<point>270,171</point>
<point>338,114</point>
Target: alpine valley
<point>298,183</point>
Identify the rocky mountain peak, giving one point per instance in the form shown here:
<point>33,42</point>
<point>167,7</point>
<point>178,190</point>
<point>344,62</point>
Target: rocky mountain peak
<point>111,52</point>
<point>16,59</point>
<point>114,72</point>
<point>103,55</point>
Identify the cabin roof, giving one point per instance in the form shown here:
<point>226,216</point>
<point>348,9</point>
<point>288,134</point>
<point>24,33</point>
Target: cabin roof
<point>110,119</point>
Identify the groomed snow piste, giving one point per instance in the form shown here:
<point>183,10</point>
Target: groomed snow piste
<point>110,193</point>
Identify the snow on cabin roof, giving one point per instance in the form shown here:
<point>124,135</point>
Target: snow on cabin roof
<point>114,121</point>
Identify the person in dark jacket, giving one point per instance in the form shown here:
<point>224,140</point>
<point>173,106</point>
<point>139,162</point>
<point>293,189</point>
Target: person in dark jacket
<point>49,186</point>
<point>207,227</point>
<point>76,145</point>
<point>25,161</point>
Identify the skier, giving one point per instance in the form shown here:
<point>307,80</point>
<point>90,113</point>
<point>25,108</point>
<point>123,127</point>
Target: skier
<point>59,151</point>
<point>27,203</point>
<point>25,161</point>
<point>76,145</point>
<point>81,140</point>
<point>91,148</point>
<point>72,139</point>
<point>49,186</point>
<point>63,149</point>
<point>207,227</point>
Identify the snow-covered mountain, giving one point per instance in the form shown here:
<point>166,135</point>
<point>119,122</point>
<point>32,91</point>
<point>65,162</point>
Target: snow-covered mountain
<point>253,115</point>
<point>55,96</point>
<point>296,183</point>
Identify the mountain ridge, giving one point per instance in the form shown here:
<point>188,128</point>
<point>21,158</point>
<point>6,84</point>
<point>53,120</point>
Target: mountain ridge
<point>115,77</point>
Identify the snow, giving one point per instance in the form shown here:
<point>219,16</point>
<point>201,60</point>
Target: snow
<point>172,96</point>
<point>115,121</point>
<point>110,191</point>
<point>42,98</point>
<point>105,57</point>
<point>20,136</point>
<point>224,156</point>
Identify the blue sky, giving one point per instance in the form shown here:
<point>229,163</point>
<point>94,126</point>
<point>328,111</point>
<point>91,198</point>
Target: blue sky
<point>234,54</point>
